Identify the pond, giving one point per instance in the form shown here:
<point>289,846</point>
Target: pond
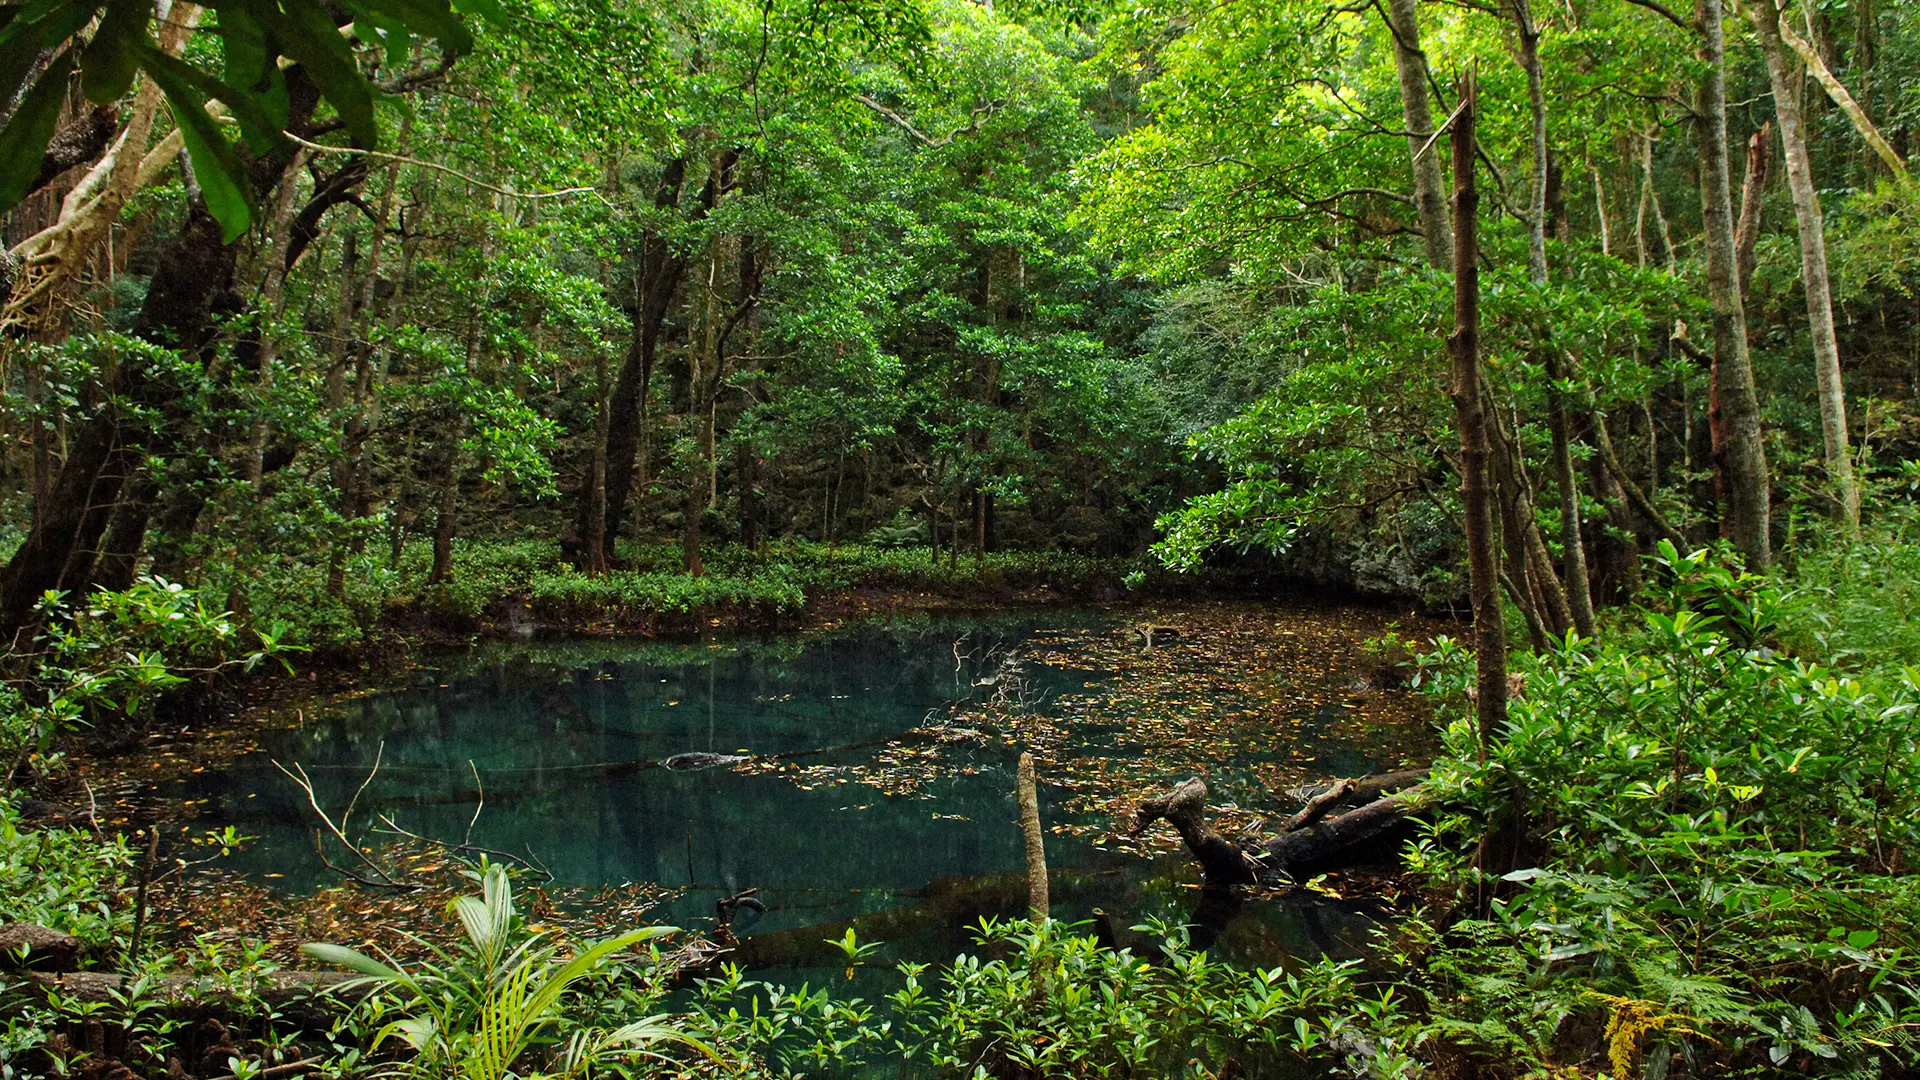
<point>852,776</point>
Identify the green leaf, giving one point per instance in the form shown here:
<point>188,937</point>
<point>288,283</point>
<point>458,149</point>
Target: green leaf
<point>250,55</point>
<point>430,17</point>
<point>256,122</point>
<point>1863,939</point>
<point>223,180</point>
<point>351,959</point>
<point>24,141</point>
<point>107,67</point>
<point>489,10</point>
<point>308,34</point>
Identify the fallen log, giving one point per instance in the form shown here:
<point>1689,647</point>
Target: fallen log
<point>1363,789</point>
<point>1310,838</point>
<point>25,945</point>
<point>273,988</point>
<point>1224,861</point>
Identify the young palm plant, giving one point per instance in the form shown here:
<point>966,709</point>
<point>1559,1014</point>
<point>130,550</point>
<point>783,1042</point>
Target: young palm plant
<point>475,1011</point>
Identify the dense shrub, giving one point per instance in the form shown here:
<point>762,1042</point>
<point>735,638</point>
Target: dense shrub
<point>66,879</point>
<point>1717,861</point>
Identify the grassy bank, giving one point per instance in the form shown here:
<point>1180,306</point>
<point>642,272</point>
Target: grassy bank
<point>501,584</point>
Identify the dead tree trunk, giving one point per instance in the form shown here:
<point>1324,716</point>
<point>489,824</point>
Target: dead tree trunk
<point>1311,838</point>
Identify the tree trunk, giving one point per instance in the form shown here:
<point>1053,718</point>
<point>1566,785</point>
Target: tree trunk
<point>1617,554</point>
<point>1813,266</point>
<point>1573,547</point>
<point>656,281</point>
<point>1740,455</point>
<point>1650,200</point>
<point>280,229</point>
<point>62,549</point>
<point>1746,238</point>
<point>1836,90</point>
<point>595,533</point>
<point>1489,635</point>
<point>1411,64</point>
<point>1529,36</point>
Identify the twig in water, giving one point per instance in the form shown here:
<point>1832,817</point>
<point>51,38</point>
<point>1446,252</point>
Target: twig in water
<point>481,790</point>
<point>299,776</point>
<point>444,846</point>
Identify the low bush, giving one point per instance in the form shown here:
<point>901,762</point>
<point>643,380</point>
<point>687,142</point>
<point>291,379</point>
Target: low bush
<point>1715,868</point>
<point>107,657</point>
<point>65,879</point>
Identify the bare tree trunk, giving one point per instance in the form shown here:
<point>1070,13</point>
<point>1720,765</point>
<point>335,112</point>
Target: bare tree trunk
<point>1746,238</point>
<point>1813,266</point>
<point>1600,212</point>
<point>447,516</point>
<point>1579,594</point>
<point>1411,64</point>
<point>1489,635</point>
<point>1529,35</point>
<point>1741,456</point>
<point>1650,200</point>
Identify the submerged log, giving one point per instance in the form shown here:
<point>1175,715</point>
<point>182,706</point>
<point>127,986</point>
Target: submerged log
<point>1309,838</point>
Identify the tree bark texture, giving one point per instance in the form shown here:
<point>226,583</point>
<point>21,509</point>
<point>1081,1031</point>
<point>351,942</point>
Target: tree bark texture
<point>1038,904</point>
<point>1411,64</point>
<point>656,280</point>
<point>1734,407</point>
<point>1746,237</point>
<point>1489,635</point>
<point>1815,281</point>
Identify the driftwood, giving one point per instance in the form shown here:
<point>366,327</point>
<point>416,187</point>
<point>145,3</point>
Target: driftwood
<point>1309,838</point>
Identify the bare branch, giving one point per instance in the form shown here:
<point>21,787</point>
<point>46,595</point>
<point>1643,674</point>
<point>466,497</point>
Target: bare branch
<point>980,116</point>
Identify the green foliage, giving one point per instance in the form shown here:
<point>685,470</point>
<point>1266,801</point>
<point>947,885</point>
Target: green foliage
<point>109,659</point>
<point>502,994</point>
<point>251,87</point>
<point>1718,833</point>
<point>1053,1004</point>
<point>65,879</point>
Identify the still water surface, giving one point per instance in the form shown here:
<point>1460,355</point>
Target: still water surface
<point>568,741</point>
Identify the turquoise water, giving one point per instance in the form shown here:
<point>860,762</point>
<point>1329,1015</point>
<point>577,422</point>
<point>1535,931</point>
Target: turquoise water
<point>569,740</point>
